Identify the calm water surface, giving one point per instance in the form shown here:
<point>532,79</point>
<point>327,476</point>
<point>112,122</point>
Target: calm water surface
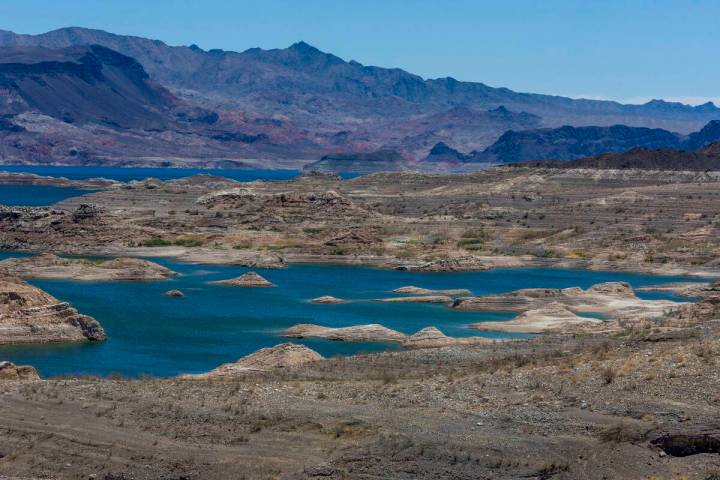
<point>36,195</point>
<point>149,333</point>
<point>43,195</point>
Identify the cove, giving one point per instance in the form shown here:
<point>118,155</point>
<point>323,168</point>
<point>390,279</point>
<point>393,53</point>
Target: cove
<point>37,195</point>
<point>149,333</point>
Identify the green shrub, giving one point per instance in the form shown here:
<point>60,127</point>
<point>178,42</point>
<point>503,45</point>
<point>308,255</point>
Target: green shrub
<point>471,244</point>
<point>155,242</point>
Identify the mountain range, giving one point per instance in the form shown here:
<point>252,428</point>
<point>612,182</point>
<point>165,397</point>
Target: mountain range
<point>81,95</point>
<point>666,159</point>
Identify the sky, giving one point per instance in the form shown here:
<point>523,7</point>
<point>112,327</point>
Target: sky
<point>631,51</point>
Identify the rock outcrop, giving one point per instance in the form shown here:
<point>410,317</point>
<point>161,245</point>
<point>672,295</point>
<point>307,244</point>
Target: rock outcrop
<point>457,264</point>
<point>431,337</point>
<point>328,299</point>
<point>29,315</point>
<point>240,258</point>
<point>686,289</point>
<point>556,309</point>
<point>417,299</point>
<point>284,355</point>
<point>11,372</point>
<point>358,333</point>
<point>412,290</point>
<point>552,318</point>
<point>249,279</point>
<point>174,293</point>
<point>49,266</point>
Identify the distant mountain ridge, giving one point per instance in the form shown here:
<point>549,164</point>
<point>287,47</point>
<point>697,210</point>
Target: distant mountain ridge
<point>703,159</point>
<point>569,143</point>
<point>271,80</point>
<point>304,70</point>
<point>301,103</point>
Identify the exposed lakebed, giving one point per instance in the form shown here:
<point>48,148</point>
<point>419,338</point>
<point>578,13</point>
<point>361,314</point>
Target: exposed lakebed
<point>149,333</point>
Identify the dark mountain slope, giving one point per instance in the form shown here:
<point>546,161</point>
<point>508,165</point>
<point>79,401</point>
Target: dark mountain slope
<point>704,159</point>
<point>569,143</point>
<point>92,105</point>
<point>84,85</point>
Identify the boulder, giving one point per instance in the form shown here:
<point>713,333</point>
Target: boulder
<point>11,372</point>
<point>174,293</point>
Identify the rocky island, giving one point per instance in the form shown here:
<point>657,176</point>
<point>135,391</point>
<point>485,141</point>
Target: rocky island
<point>29,315</point>
<point>49,266</point>
<point>249,279</point>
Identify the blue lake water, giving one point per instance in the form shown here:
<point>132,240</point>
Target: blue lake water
<point>123,174</point>
<point>149,333</point>
<point>36,195</point>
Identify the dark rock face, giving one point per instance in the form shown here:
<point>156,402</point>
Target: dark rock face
<point>570,143</point>
<point>704,159</point>
<point>85,84</point>
<point>710,133</point>
<point>441,152</point>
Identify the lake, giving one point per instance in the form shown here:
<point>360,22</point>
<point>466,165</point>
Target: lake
<point>149,333</point>
<point>123,174</point>
<point>44,195</point>
<point>36,195</point>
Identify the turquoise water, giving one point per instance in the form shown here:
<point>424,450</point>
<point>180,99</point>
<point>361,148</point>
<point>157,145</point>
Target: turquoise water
<point>36,195</point>
<point>149,333</point>
<point>124,174</point>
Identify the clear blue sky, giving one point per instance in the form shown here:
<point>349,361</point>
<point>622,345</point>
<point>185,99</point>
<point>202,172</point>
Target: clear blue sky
<point>626,50</point>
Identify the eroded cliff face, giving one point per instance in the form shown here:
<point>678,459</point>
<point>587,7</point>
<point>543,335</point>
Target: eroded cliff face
<point>30,315</point>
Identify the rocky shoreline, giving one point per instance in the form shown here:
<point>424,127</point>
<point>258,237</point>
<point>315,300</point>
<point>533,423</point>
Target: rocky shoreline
<point>29,315</point>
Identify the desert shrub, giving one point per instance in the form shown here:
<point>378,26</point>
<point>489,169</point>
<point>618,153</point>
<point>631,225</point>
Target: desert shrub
<point>475,233</point>
<point>608,375</point>
<point>470,244</point>
<point>155,242</point>
<point>624,431</point>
